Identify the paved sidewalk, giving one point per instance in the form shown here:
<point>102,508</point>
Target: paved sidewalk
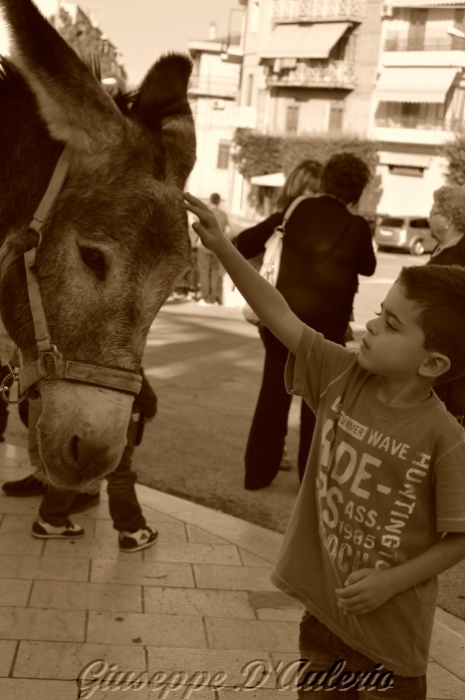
<point>200,600</point>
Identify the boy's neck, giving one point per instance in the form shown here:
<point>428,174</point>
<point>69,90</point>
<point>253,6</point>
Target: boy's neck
<point>401,394</point>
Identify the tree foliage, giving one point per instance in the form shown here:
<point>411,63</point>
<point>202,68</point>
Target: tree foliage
<point>89,43</point>
<point>454,151</point>
<point>261,154</point>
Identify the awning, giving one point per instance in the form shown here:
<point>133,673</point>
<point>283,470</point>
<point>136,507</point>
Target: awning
<point>272,180</point>
<point>412,160</point>
<point>303,40</point>
<point>414,84</point>
<point>422,3</point>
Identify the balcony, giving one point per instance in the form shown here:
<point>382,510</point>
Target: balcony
<point>318,10</point>
<point>213,86</point>
<point>419,122</point>
<point>403,43</point>
<point>330,74</point>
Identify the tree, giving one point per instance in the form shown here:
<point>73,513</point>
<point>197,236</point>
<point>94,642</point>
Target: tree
<point>454,151</point>
<point>88,41</point>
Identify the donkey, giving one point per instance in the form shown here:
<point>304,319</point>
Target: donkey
<point>116,240</point>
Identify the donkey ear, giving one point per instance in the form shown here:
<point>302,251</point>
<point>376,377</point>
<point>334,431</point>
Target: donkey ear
<point>161,104</point>
<point>75,107</point>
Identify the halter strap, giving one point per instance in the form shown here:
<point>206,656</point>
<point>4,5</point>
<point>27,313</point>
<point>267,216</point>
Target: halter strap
<point>51,365</point>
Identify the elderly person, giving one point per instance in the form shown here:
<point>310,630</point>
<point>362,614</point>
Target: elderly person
<point>325,248</point>
<point>447,225</point>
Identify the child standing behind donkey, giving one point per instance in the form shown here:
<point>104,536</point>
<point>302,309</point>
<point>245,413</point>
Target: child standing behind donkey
<point>381,509</point>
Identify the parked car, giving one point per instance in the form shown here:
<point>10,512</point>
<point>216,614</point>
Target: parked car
<point>409,233</point>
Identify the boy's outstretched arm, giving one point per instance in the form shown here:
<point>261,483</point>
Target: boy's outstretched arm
<point>269,304</point>
<point>367,589</point>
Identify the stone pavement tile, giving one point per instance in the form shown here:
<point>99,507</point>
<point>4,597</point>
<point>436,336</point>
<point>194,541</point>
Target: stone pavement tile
<point>43,568</point>
<point>448,649</point>
<point>156,517</point>
<point>147,629</point>
<point>20,543</point>
<point>42,625</point>
<point>234,664</point>
<point>169,531</point>
<point>442,685</point>
<point>242,578</point>
<point>18,689</point>
<point>192,601</point>
<point>454,623</point>
<point>250,559</point>
<point>220,554</point>
<point>195,534</point>
<point>105,693</point>
<point>286,614</point>
<point>141,573</point>
<point>65,661</point>
<point>251,634</point>
<point>14,592</point>
<point>254,538</point>
<point>7,653</point>
<point>86,596</point>
<point>22,525</point>
<point>20,506</point>
<point>9,450</point>
<point>88,548</point>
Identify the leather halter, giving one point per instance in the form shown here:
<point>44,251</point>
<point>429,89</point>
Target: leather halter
<point>51,365</point>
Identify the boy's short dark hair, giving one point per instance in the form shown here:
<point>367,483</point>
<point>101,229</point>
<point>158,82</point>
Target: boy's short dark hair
<point>345,176</point>
<point>439,291</point>
<point>215,199</point>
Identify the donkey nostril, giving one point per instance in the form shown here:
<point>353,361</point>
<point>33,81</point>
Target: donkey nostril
<point>74,448</point>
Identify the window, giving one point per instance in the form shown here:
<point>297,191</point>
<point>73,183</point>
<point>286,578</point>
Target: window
<point>416,31</point>
<point>222,162</point>
<point>336,113</point>
<point>248,97</point>
<point>254,17</point>
<point>292,119</point>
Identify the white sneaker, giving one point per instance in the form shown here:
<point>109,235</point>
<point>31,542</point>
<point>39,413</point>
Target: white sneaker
<point>135,541</point>
<point>45,531</point>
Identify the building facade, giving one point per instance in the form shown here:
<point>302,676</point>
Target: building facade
<point>213,95</point>
<point>419,99</point>
<point>310,65</point>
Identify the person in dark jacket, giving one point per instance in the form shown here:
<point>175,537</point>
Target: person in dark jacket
<point>324,250</point>
<point>447,225</point>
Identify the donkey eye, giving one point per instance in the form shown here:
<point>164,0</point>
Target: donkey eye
<point>94,260</point>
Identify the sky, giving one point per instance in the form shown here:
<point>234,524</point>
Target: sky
<point>144,29</point>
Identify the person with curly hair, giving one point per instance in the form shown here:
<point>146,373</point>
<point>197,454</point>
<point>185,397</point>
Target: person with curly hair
<point>447,225</point>
<point>324,250</point>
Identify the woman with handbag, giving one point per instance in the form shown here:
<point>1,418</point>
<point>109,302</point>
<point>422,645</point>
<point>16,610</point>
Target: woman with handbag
<point>324,249</point>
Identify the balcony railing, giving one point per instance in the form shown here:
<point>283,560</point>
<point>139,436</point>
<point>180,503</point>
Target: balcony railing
<point>403,43</point>
<point>213,86</point>
<point>288,10</point>
<point>417,122</point>
<point>330,74</point>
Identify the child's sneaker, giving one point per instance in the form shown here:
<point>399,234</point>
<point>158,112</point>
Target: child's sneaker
<point>135,541</point>
<point>45,531</point>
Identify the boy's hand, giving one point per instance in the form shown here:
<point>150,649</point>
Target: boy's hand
<point>365,590</point>
<point>207,227</point>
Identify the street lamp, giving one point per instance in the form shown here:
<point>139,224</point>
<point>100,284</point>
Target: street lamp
<point>453,31</point>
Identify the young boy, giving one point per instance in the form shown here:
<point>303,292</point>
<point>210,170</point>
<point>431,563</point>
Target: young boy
<point>381,510</point>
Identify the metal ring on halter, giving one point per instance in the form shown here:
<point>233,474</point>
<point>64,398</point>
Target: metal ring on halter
<point>4,388</point>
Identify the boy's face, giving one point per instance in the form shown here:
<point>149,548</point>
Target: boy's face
<point>393,345</point>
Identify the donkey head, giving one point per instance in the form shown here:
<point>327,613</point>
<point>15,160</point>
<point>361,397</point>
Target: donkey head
<point>116,240</point>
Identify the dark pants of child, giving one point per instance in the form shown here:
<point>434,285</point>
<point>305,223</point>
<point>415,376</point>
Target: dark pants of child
<point>322,648</point>
<point>269,425</point>
<point>124,507</point>
<point>210,276</point>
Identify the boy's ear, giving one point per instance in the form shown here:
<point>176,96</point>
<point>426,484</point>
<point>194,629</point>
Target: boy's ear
<point>434,366</point>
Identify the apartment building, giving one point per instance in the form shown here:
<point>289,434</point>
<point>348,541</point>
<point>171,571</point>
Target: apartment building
<point>310,65</point>
<point>419,99</point>
<point>213,95</point>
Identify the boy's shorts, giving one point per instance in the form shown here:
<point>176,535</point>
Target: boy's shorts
<point>323,649</point>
